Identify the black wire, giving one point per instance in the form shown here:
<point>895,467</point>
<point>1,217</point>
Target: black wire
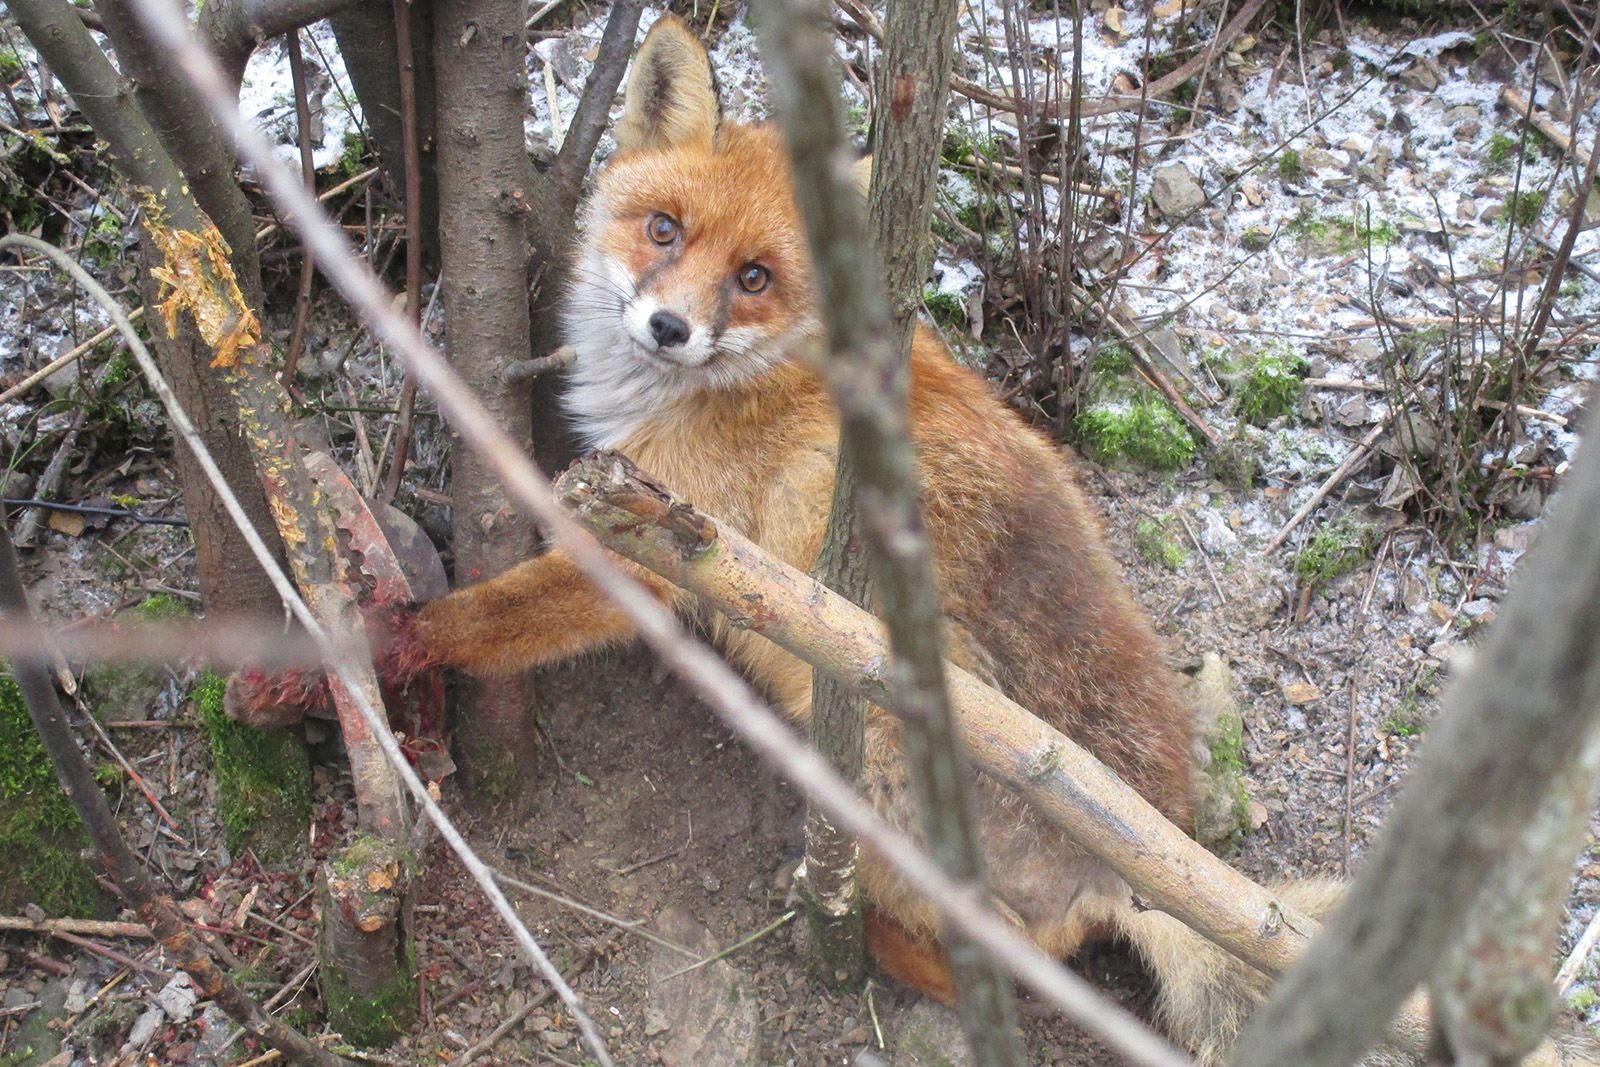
<point>85,509</point>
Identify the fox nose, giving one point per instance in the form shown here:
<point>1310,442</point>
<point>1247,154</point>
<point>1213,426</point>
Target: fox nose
<point>668,329</point>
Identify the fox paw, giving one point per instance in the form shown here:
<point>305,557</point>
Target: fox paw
<point>265,700</point>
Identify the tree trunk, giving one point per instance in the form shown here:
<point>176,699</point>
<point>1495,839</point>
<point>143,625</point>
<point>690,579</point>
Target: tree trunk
<point>366,36</point>
<point>186,131</point>
<point>838,729</point>
<point>366,953</point>
<point>483,174</point>
<point>230,580</point>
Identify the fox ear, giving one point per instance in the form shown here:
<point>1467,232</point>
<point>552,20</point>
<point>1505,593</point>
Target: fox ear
<point>672,93</point>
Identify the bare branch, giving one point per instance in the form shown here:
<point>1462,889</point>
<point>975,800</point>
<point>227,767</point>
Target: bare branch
<point>235,27</point>
<point>594,108</point>
<point>866,372</point>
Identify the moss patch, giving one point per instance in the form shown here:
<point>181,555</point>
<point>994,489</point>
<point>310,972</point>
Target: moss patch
<point>1335,548</point>
<point>263,780</point>
<point>40,832</point>
<point>1147,433</point>
<point>1270,388</point>
<point>1153,540</point>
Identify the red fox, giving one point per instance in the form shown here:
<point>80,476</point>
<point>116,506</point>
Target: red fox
<point>692,313</point>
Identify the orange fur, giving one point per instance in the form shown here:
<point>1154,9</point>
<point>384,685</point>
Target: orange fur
<point>720,405</point>
<point>918,962</point>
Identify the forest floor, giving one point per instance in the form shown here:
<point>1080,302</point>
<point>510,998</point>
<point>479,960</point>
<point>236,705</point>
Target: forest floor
<point>1362,214</point>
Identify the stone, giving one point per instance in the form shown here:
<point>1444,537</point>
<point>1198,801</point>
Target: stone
<point>928,1035</point>
<point>16,485</point>
<point>177,998</point>
<point>711,1012</point>
<point>1175,189</point>
<point>1419,76</point>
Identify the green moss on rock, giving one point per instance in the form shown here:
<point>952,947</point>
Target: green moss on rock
<point>263,779</point>
<point>1335,548</point>
<point>41,835</point>
<point>1145,434</point>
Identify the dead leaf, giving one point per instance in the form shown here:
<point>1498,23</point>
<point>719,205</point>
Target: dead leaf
<point>1113,21</point>
<point>379,880</point>
<point>1252,192</point>
<point>67,522</point>
<point>1122,85</point>
<point>1169,9</point>
<point>1301,693</point>
<point>1258,814</point>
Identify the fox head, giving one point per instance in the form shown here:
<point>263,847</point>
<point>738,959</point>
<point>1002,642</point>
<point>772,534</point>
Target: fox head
<point>694,273</point>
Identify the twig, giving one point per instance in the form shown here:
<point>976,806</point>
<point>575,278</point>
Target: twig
<point>224,643</point>
<point>91,927</point>
<point>1358,455</point>
<point>100,950</point>
<point>300,977</point>
<point>1350,762</point>
<point>632,926</point>
<point>736,946</point>
<point>308,171</point>
<point>402,428</point>
<point>523,1012</point>
<point>1521,105</point>
<point>272,227</point>
<point>51,478</point>
<point>89,509</point>
<point>411,151</point>
<point>127,768</point>
<point>61,361</point>
<point>523,369</point>
<point>543,10</point>
<point>1102,191</point>
<point>1222,598</point>
<point>1572,966</point>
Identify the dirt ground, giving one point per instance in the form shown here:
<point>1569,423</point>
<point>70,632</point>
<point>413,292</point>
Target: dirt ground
<point>648,809</point>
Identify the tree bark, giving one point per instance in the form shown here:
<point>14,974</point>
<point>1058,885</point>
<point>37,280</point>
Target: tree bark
<point>184,127</point>
<point>233,28</point>
<point>838,729</point>
<point>230,580</point>
<point>366,36</point>
<point>1513,726</point>
<point>483,174</point>
<point>364,948</point>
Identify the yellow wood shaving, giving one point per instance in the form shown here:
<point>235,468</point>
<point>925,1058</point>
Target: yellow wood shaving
<point>196,271</point>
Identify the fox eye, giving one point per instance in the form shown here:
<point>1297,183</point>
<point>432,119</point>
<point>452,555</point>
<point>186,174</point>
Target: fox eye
<point>663,229</point>
<point>753,278</point>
